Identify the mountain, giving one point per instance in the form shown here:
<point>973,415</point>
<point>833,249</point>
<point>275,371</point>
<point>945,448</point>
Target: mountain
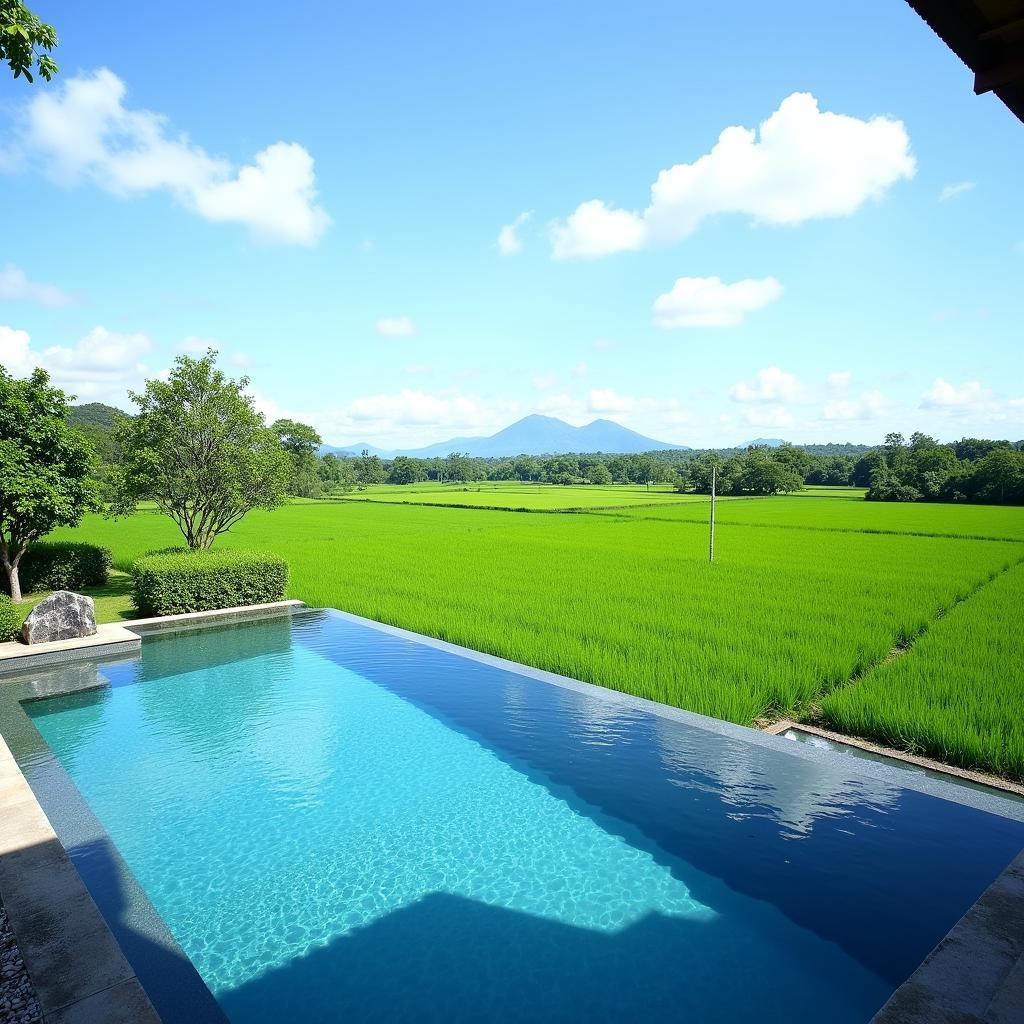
<point>532,435</point>
<point>93,414</point>
<point>765,442</point>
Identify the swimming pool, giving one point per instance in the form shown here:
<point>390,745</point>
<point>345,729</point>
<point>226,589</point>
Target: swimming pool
<point>337,820</point>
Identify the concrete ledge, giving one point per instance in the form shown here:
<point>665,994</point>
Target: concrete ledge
<point>216,617</point>
<point>109,638</point>
<point>77,968</point>
<point>975,975</point>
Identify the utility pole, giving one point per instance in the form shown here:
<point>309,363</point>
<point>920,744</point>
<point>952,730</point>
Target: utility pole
<point>711,543</point>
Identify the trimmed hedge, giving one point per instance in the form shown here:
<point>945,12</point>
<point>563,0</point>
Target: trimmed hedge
<point>8,620</point>
<point>63,565</point>
<point>172,583</point>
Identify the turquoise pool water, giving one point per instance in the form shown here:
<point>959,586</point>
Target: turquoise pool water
<point>344,822</point>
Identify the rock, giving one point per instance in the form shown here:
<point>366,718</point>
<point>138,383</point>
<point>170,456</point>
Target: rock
<point>61,616</point>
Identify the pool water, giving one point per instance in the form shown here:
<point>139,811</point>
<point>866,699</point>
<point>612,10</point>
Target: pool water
<point>340,823</point>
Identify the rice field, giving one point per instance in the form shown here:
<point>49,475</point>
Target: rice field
<point>799,512</point>
<point>787,616</point>
<point>958,693</point>
<point>524,497</point>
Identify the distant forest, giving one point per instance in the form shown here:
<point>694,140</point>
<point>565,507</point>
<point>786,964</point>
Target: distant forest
<point>917,468</point>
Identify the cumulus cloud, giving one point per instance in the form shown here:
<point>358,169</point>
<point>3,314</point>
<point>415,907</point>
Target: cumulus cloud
<point>769,385</point>
<point>768,416</point>
<point>801,163</point>
<point>710,302</point>
<point>608,400</point>
<point>509,243</point>
<point>100,367</point>
<point>954,191</point>
<point>82,131</point>
<point>545,381</point>
<point>15,284</point>
<point>395,327</point>
<point>969,397</point>
<point>870,405</point>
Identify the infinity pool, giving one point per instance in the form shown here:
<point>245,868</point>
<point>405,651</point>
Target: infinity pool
<point>339,823</point>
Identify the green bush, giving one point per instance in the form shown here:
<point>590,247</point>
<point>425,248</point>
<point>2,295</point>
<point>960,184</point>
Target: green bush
<point>175,582</point>
<point>8,620</point>
<point>63,565</point>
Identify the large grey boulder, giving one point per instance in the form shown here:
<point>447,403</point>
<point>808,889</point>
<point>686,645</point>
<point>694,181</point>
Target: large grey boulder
<point>61,616</point>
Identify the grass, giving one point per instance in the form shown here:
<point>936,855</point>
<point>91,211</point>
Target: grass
<point>802,513</point>
<point>113,601</point>
<point>786,615</point>
<point>522,497</point>
<point>958,693</point>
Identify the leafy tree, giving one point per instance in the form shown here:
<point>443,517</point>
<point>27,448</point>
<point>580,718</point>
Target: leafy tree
<point>335,473</point>
<point>599,474</point>
<point>369,469</point>
<point>45,468</point>
<point>199,449</point>
<point>406,471</point>
<point>22,36</point>
<point>526,467</point>
<point>301,442</point>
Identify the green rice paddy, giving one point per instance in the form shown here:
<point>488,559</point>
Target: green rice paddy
<point>806,599</point>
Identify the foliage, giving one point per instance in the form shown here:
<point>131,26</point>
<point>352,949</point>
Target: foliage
<point>300,441</point>
<point>175,582</point>
<point>199,449</point>
<point>406,471</point>
<point>921,469</point>
<point>958,693</point>
<point>9,620</point>
<point>759,470</point>
<point>22,36</point>
<point>45,468</point>
<point>64,565</point>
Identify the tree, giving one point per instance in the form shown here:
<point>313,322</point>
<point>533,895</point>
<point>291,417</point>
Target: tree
<point>199,449</point>
<point>301,442</point>
<point>45,468</point>
<point>598,474</point>
<point>22,35</point>
<point>405,471</point>
<point>369,469</point>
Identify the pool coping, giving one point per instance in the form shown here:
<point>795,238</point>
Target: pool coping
<point>784,725</point>
<point>988,933</point>
<point>77,968</point>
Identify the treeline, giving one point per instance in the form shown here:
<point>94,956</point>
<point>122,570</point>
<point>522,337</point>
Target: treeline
<point>914,469</point>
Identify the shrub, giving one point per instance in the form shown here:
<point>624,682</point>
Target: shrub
<point>8,620</point>
<point>64,565</point>
<point>171,583</point>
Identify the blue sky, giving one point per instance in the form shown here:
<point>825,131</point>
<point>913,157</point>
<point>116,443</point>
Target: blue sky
<point>323,197</point>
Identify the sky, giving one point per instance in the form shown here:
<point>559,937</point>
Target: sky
<point>408,222</point>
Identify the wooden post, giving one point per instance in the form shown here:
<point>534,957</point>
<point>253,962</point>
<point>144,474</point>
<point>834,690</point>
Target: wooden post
<point>711,542</point>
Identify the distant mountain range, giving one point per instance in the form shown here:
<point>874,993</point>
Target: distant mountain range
<point>532,435</point>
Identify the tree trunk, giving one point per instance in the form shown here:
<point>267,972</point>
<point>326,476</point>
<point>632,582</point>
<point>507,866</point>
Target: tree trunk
<point>13,583</point>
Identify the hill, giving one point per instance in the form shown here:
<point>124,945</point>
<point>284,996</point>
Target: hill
<point>532,435</point>
<point>94,414</point>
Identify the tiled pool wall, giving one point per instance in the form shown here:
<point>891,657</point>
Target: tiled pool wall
<point>165,972</point>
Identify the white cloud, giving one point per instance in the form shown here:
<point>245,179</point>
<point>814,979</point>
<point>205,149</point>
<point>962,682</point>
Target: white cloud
<point>954,191</point>
<point>608,400</point>
<point>545,381</point>
<point>768,416</point>
<point>770,385</point>
<point>102,366</point>
<point>969,397</point>
<point>802,163</point>
<point>83,132</point>
<point>840,380</point>
<point>870,405</point>
<point>14,285</point>
<point>240,359</point>
<point>581,369</point>
<point>395,327</point>
<point>710,302</point>
<point>509,243</point>
<point>193,344</point>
